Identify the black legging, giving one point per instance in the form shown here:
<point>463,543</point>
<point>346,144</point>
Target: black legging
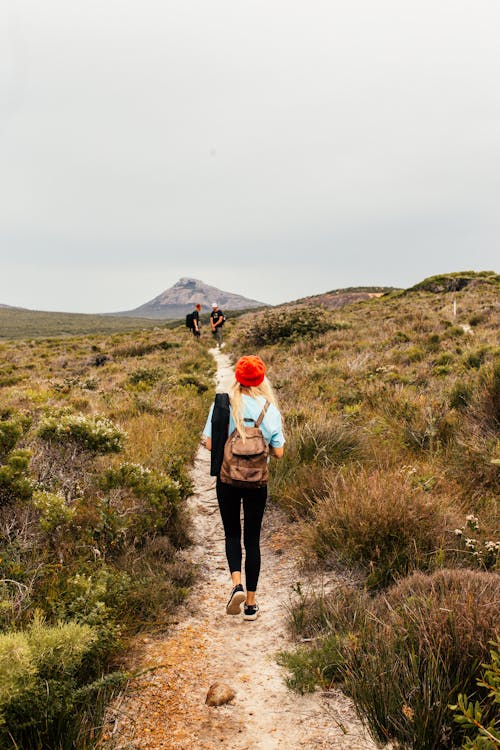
<point>254,503</point>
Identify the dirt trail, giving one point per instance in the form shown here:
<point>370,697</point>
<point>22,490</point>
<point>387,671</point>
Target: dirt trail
<point>166,707</point>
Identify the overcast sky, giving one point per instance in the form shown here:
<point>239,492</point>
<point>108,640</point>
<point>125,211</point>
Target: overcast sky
<point>272,148</point>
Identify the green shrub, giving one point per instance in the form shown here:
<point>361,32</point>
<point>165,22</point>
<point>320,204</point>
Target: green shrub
<point>17,668</point>
<point>199,383</point>
<point>10,432</point>
<point>454,332</point>
<point>401,337</point>
<point>275,326</point>
<point>446,358</point>
<point>323,622</point>
<point>48,685</point>
<point>94,434</point>
<point>15,483</point>
<point>140,348</point>
<point>481,719</point>
<point>313,666</point>
<point>54,512</point>
<point>414,354</point>
<point>460,395</point>
<point>145,376</point>
<point>433,342</point>
<point>159,510</point>
<point>477,318</point>
<point>476,358</point>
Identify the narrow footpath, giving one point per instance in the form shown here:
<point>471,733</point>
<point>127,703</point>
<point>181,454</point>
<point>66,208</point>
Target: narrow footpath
<point>165,708</point>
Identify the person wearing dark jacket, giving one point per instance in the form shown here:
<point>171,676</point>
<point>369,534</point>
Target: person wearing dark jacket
<point>196,321</point>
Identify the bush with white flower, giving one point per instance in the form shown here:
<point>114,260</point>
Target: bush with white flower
<point>54,511</point>
<point>94,434</point>
<point>485,552</point>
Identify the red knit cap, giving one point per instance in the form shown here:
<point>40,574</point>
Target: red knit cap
<point>250,371</point>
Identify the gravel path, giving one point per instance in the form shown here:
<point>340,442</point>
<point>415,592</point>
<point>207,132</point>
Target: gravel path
<point>165,708</point>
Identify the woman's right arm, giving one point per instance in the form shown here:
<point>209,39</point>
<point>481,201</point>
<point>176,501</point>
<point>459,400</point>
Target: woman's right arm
<point>276,452</point>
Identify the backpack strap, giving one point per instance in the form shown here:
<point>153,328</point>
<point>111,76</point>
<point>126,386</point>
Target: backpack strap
<point>262,414</point>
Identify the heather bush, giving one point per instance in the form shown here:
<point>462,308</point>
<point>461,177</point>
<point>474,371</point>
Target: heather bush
<point>423,646</point>
<point>314,448</point>
<point>475,458</point>
<point>405,655</point>
<point>378,520</point>
<point>419,424</point>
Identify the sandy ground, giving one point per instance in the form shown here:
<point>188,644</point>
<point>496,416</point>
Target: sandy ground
<point>165,708</point>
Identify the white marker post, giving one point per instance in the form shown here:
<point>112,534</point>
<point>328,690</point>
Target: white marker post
<point>454,308</point>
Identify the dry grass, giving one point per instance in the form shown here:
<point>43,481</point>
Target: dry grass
<point>379,520</point>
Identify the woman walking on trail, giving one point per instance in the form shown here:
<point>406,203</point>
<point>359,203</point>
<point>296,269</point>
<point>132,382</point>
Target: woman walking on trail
<point>252,401</point>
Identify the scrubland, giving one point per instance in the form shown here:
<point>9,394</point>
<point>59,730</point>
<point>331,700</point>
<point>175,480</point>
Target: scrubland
<point>96,436</point>
<point>389,483</point>
<point>391,479</point>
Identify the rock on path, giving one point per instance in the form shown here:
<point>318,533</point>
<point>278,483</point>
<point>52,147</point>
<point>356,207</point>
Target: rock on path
<point>166,709</point>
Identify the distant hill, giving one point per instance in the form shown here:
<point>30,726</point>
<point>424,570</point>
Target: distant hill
<point>10,307</point>
<point>181,298</point>
<point>342,297</point>
<point>454,282</point>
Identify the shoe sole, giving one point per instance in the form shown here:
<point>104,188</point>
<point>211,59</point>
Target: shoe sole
<point>234,604</point>
<point>251,617</point>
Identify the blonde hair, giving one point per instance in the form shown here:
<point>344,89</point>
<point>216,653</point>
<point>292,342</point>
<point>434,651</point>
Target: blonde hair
<point>236,398</point>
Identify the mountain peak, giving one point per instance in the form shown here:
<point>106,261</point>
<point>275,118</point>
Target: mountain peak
<point>180,299</point>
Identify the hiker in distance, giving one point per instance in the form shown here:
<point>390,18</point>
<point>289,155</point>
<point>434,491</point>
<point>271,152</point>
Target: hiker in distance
<point>196,321</point>
<point>242,431</point>
<point>193,321</point>
<point>217,319</point>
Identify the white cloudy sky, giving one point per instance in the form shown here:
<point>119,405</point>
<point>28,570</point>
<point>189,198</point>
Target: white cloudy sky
<point>274,148</point>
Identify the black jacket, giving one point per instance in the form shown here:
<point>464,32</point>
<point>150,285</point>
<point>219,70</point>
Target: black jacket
<point>220,427</point>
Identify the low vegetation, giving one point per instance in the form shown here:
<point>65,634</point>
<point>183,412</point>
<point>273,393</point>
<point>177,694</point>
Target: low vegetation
<point>18,323</point>
<point>391,474</point>
<point>96,436</point>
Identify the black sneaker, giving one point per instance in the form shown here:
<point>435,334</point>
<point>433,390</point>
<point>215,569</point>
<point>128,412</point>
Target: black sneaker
<point>250,611</point>
<point>236,599</point>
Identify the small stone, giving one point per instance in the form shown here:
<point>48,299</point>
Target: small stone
<point>218,694</point>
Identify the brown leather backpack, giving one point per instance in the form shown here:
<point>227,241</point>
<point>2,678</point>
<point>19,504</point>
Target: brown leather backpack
<point>245,461</point>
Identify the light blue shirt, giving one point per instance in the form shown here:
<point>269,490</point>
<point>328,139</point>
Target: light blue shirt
<point>270,426</point>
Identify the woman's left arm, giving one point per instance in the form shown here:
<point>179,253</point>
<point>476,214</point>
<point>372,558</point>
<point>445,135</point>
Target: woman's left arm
<point>276,452</point>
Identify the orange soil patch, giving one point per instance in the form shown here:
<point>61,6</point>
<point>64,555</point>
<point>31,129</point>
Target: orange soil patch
<point>164,708</point>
